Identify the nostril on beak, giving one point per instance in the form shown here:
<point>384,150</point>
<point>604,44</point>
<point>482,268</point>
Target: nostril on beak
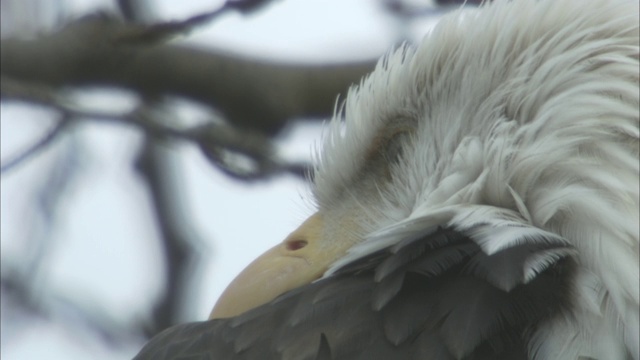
<point>294,245</point>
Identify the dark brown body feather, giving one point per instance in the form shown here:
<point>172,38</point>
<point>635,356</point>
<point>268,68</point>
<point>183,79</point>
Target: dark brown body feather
<point>433,296</point>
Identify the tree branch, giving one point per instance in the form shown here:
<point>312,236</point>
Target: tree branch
<point>250,93</point>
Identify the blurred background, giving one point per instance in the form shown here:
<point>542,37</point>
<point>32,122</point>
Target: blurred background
<point>152,148</point>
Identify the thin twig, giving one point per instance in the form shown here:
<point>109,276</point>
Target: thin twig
<point>218,142</point>
<point>36,147</point>
<point>146,34</point>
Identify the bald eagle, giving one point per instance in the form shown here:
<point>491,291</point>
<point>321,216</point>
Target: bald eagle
<point>477,198</point>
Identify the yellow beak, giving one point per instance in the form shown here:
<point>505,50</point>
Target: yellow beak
<point>300,259</point>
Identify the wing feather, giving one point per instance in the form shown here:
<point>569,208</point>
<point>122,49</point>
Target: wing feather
<point>447,300</point>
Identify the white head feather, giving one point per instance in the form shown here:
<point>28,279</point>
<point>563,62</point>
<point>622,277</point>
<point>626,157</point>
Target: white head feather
<point>519,113</point>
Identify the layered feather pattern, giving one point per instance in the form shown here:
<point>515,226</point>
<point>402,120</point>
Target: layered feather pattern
<point>426,297</point>
<point>526,130</point>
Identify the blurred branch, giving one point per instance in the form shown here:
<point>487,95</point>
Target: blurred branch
<point>140,34</point>
<point>177,239</point>
<point>24,280</point>
<point>40,94</point>
<point>146,35</point>
<point>222,144</point>
<point>250,93</point>
<point>256,98</point>
<point>175,236</point>
<point>36,147</point>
